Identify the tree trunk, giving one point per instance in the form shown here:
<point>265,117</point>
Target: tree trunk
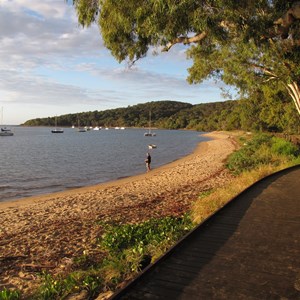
<point>294,91</point>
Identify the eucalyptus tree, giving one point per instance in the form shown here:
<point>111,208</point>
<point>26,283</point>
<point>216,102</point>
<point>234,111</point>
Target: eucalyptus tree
<point>253,45</point>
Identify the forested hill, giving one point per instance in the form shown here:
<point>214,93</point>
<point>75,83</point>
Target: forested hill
<point>279,116</point>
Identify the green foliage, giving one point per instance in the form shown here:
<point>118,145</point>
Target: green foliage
<point>131,116</point>
<point>52,288</point>
<point>7,294</point>
<point>139,236</point>
<point>132,247</point>
<point>57,287</point>
<point>92,284</point>
<point>283,147</point>
<point>263,149</point>
<point>240,45</point>
<point>86,11</point>
<point>247,114</point>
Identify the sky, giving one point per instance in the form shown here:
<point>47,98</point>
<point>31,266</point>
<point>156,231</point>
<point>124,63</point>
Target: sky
<point>51,66</point>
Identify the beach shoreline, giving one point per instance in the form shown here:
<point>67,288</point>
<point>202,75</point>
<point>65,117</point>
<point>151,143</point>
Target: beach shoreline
<point>43,196</point>
<point>40,197</point>
<point>50,230</point>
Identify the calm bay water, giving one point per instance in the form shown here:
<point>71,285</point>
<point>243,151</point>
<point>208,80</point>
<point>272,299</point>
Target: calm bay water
<point>35,161</point>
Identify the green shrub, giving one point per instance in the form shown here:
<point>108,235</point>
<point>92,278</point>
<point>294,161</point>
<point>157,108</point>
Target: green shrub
<point>260,139</point>
<point>263,149</point>
<point>9,294</point>
<point>284,147</point>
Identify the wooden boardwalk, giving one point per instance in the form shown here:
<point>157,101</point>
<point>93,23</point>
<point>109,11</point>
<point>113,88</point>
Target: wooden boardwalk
<point>248,250</point>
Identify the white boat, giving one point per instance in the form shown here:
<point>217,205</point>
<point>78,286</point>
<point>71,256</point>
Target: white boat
<point>152,146</point>
<point>149,133</point>
<point>96,128</point>
<point>81,129</point>
<point>4,130</point>
<point>57,130</point>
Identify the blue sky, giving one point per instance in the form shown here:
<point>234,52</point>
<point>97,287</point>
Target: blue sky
<point>49,66</point>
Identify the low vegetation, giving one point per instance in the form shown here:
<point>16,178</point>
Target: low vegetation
<point>259,155</point>
<point>262,149</point>
<point>7,294</point>
<point>126,249</point>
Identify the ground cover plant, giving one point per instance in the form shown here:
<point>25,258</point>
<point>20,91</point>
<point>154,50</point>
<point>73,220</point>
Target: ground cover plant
<point>126,249</point>
<point>7,294</point>
<point>259,156</point>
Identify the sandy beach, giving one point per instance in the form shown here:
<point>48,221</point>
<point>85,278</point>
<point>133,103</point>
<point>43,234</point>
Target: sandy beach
<point>46,232</point>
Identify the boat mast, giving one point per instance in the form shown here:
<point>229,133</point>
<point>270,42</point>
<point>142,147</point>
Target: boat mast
<point>150,121</point>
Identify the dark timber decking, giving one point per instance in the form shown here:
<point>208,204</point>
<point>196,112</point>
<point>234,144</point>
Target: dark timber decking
<point>250,249</point>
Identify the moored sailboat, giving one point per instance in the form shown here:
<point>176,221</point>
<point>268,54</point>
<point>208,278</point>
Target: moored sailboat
<point>4,130</point>
<point>81,129</point>
<point>149,133</point>
<point>57,130</point>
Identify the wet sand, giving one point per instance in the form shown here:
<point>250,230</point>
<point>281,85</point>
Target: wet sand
<point>48,231</point>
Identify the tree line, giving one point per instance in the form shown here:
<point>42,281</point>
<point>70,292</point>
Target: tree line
<point>255,114</point>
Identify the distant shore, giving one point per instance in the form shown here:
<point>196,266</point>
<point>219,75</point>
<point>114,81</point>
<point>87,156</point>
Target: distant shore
<point>52,229</point>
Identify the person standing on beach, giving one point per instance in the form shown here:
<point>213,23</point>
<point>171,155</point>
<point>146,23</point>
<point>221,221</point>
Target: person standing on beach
<point>148,162</point>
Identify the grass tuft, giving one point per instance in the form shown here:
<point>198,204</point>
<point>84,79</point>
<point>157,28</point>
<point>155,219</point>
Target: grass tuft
<point>7,294</point>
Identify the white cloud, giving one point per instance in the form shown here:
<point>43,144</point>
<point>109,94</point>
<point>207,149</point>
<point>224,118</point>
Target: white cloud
<point>48,60</point>
<point>30,40</point>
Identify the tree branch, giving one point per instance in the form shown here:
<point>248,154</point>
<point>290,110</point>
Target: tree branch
<point>185,40</point>
<point>265,70</point>
<point>284,23</point>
